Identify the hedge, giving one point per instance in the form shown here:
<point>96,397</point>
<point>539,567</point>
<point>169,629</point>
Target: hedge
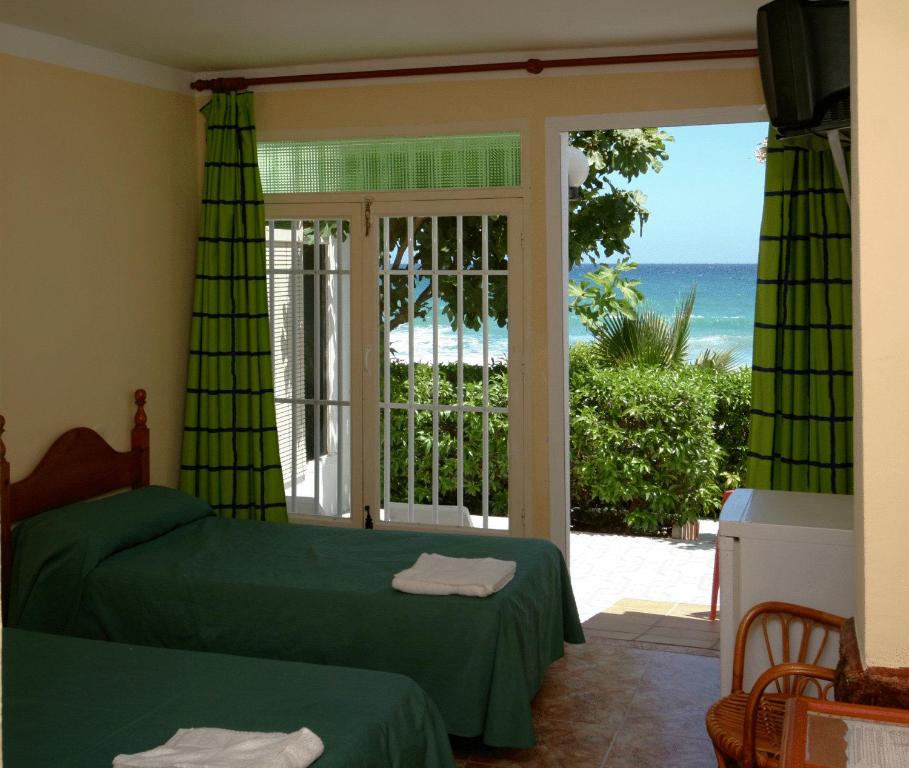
<point>448,437</point>
<point>649,446</point>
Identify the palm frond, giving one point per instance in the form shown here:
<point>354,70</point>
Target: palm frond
<point>723,360</point>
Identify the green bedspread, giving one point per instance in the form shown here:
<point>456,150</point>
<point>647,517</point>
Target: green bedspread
<point>78,703</point>
<point>318,594</point>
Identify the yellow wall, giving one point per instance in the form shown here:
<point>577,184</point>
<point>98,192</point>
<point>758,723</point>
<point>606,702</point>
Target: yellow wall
<point>99,206</point>
<point>524,104</point>
<point>881,316</point>
<point>98,214</point>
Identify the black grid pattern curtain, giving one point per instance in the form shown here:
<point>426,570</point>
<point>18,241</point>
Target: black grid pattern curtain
<point>801,419</point>
<point>230,440</point>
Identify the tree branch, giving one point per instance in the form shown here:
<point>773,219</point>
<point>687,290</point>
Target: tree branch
<point>402,317</point>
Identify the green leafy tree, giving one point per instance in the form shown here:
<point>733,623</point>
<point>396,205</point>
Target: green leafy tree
<point>601,222</point>
<point>472,255</point>
<point>605,215</point>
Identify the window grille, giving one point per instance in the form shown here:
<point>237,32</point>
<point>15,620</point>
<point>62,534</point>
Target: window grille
<point>443,292</point>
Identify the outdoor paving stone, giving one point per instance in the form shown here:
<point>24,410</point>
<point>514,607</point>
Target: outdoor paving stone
<point>607,568</point>
<point>691,642</point>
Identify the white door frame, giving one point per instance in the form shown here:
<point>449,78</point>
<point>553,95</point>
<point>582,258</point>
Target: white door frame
<point>364,381</point>
<point>556,130</point>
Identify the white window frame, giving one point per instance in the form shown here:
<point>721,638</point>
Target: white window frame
<point>364,210</point>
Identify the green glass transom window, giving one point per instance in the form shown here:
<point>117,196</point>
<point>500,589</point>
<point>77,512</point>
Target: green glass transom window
<point>374,165</point>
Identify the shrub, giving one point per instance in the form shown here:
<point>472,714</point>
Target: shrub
<point>642,442</point>
<point>732,422</point>
<point>649,446</point>
<point>448,437</point>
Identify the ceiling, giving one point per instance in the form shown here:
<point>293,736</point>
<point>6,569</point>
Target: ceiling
<point>209,35</point>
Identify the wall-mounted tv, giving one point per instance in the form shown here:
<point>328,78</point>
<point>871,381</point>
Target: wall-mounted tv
<point>803,48</point>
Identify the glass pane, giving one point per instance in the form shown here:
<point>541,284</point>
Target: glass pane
<point>497,239</point>
<point>473,242</point>
<point>422,243</point>
<point>300,489</point>
<point>284,415</point>
<point>472,299</point>
<point>497,305</point>
<point>334,461</point>
<point>448,458</point>
<point>358,165</point>
<point>335,244</point>
<point>303,334</point>
<point>282,324</point>
<point>398,319</point>
<point>448,242</point>
<point>498,461</point>
<point>335,331</point>
<point>448,339</point>
<point>383,395</point>
<point>397,254</point>
<point>278,240</point>
<point>304,246</point>
<point>473,464</point>
<point>395,504</point>
<point>423,455</point>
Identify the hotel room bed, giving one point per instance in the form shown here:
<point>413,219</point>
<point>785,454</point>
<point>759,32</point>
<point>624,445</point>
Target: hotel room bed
<point>155,567</point>
<point>78,703</point>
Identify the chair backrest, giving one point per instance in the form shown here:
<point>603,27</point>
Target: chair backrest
<point>788,633</point>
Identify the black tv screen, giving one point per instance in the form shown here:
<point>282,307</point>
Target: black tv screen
<point>803,48</point>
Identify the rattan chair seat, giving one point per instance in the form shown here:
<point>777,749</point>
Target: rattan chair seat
<point>725,721</point>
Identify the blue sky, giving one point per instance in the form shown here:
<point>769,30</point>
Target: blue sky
<point>705,205</point>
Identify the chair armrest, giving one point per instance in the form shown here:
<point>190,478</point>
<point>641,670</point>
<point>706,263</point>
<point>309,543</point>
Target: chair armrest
<point>793,669</point>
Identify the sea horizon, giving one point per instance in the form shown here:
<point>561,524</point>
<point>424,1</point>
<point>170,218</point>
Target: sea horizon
<point>723,315</point>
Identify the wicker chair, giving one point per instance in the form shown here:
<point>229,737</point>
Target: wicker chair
<point>747,727</point>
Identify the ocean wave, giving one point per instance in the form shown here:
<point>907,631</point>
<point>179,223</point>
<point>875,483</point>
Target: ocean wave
<point>497,349</point>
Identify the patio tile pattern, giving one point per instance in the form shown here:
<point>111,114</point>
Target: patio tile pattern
<point>608,568</point>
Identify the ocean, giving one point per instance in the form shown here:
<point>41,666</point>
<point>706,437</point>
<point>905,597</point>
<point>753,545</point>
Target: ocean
<point>723,313</point>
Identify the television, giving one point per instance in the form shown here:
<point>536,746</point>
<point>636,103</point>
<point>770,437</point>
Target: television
<point>803,50</point>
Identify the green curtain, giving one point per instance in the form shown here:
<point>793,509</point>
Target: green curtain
<point>230,441</point>
<point>801,418</point>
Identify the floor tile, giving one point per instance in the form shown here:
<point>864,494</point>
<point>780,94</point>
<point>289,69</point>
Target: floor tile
<point>607,705</point>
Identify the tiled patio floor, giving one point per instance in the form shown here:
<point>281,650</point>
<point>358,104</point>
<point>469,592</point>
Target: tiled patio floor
<point>606,569</point>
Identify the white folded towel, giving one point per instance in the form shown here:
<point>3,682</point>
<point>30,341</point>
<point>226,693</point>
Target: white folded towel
<point>220,748</point>
<point>440,575</point>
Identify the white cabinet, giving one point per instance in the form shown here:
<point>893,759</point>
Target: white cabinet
<point>778,545</point>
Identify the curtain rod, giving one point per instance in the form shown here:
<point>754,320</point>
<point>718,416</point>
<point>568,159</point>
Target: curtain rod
<point>531,66</point>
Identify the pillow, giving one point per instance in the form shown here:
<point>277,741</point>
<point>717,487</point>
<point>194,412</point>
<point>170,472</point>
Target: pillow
<point>53,552</point>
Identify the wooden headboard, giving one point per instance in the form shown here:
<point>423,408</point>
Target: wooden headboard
<point>78,466</point>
